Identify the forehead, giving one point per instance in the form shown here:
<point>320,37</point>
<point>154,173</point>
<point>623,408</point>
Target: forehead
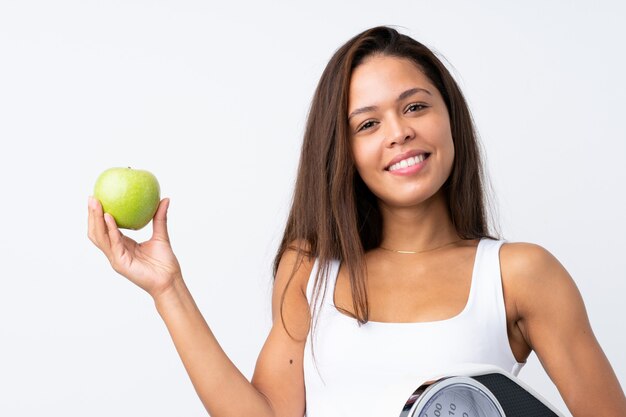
<point>379,78</point>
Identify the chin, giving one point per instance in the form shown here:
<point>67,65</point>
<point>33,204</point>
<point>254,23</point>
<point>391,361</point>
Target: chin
<point>411,200</point>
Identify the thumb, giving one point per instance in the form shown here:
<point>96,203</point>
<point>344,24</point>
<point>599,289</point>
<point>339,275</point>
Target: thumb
<point>159,223</point>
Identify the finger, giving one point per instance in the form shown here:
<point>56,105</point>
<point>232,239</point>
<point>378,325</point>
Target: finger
<point>159,223</point>
<point>100,229</point>
<point>115,237</point>
<point>91,226</point>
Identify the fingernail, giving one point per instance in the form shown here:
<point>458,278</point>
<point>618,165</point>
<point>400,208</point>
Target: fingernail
<point>90,201</point>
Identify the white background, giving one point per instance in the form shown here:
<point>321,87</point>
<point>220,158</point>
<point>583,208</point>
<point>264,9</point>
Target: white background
<point>212,98</point>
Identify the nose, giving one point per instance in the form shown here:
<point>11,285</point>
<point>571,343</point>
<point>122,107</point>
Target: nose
<point>398,132</point>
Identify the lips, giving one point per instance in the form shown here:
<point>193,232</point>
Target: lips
<point>407,159</point>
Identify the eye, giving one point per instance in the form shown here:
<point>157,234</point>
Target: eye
<point>368,124</point>
<point>415,107</point>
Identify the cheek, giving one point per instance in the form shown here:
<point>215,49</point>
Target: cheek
<point>441,131</point>
<point>448,161</point>
<point>365,156</point>
<point>450,148</point>
<point>450,164</point>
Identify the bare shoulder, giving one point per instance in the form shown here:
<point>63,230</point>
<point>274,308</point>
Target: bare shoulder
<point>530,266</point>
<point>539,286</point>
<point>295,267</point>
<point>279,374</point>
<point>289,301</point>
<point>552,318</point>
<point>524,258</point>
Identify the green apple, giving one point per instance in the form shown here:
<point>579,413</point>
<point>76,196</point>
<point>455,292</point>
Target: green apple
<point>131,196</point>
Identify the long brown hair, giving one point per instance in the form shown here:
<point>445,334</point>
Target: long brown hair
<point>334,216</point>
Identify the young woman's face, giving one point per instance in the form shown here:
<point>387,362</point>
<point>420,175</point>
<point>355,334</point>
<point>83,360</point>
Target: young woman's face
<point>400,131</point>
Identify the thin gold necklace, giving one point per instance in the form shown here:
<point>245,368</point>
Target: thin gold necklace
<point>421,251</point>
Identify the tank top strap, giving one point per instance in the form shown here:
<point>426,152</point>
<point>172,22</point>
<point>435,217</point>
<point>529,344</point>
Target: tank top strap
<point>486,280</point>
<point>487,294</point>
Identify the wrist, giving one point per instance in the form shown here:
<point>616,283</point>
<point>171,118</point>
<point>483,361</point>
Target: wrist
<point>171,293</point>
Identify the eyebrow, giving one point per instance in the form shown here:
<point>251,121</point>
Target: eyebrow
<point>401,97</point>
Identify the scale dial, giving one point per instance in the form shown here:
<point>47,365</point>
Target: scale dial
<point>454,397</point>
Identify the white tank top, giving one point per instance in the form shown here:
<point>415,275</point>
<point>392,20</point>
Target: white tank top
<point>372,369</point>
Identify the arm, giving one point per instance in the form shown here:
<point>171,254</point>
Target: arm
<point>277,387</point>
<point>279,370</point>
<point>554,323</point>
<point>222,388</point>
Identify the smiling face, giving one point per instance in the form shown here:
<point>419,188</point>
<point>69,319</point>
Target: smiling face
<point>399,131</point>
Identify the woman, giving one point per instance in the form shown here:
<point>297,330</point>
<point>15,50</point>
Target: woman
<point>386,271</point>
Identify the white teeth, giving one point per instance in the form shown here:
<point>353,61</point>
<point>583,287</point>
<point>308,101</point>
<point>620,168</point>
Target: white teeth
<point>409,162</point>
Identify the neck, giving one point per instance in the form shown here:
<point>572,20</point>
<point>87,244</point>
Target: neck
<point>418,228</point>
